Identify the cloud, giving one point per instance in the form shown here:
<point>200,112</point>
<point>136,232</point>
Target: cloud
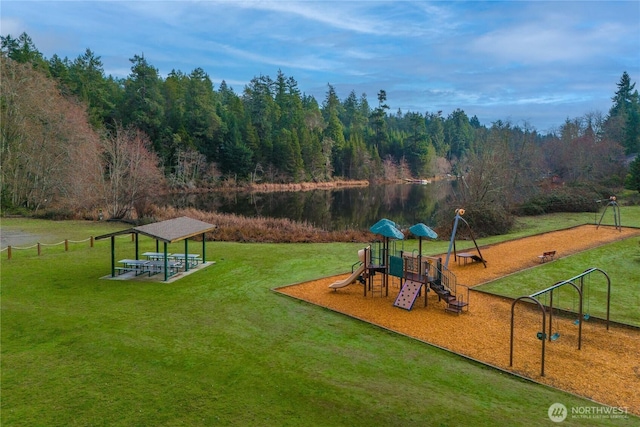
<point>13,26</point>
<point>538,60</point>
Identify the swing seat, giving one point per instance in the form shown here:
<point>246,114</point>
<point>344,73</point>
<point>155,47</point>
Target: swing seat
<point>576,322</point>
<point>541,336</point>
<point>555,336</point>
<point>586,316</point>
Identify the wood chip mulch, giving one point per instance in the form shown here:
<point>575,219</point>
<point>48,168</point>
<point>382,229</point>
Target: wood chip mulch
<point>606,369</point>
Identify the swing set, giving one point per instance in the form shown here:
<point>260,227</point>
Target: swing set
<point>616,213</point>
<point>548,307</point>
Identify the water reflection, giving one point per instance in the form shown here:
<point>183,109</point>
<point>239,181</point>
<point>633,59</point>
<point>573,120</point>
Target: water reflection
<point>338,209</point>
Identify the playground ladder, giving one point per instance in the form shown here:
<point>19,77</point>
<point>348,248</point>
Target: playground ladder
<point>443,283</point>
<point>445,286</point>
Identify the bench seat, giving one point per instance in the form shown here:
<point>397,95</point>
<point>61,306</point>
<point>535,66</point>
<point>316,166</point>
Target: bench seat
<point>547,256</point>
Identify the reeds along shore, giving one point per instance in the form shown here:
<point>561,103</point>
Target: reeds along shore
<point>232,185</point>
<point>305,186</point>
<point>235,228</point>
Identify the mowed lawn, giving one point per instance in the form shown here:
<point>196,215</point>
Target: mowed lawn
<point>621,263</point>
<point>220,348</point>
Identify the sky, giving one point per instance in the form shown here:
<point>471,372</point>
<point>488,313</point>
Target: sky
<point>530,63</point>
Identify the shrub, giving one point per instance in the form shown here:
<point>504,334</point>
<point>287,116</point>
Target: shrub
<point>484,220</point>
<point>56,214</point>
<point>565,199</point>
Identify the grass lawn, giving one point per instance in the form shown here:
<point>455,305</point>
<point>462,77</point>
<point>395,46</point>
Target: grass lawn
<point>218,347</point>
<point>621,262</point>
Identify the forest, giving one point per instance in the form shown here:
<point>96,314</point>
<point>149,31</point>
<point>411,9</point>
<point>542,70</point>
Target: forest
<point>75,139</point>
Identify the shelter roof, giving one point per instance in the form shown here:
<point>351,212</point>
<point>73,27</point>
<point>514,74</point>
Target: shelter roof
<point>170,231</point>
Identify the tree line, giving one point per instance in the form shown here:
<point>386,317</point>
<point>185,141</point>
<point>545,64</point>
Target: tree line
<point>73,135</point>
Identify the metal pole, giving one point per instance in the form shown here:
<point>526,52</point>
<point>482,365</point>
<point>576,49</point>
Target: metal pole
<point>113,256</point>
<point>204,256</point>
<point>544,327</point>
<point>550,314</point>
<point>453,238</point>
<point>186,255</point>
<point>166,262</point>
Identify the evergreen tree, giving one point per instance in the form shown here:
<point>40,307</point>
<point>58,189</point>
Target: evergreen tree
<point>418,151</point>
<point>23,50</point>
<point>201,119</point>
<point>379,124</point>
<point>143,104</point>
<point>633,178</point>
<point>59,69</point>
<point>435,130</point>
<point>623,122</point>
<point>632,126</point>
<point>174,91</point>
<point>458,134</point>
<point>334,131</point>
<point>87,81</point>
<point>262,113</point>
<point>622,99</point>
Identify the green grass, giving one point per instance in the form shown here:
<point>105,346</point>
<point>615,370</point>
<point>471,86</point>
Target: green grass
<point>218,347</point>
<point>619,260</point>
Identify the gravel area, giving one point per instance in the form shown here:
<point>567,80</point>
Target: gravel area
<point>17,238</point>
<point>606,369</point>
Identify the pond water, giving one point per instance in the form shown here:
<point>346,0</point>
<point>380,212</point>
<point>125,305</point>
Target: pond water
<point>336,209</point>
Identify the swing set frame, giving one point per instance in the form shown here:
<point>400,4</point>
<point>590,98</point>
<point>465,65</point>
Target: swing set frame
<point>616,213</point>
<point>534,298</point>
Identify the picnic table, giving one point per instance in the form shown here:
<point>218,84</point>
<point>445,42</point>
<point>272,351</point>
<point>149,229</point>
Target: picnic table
<point>138,266</point>
<point>193,259</point>
<point>156,267</point>
<point>155,255</point>
<point>149,267</point>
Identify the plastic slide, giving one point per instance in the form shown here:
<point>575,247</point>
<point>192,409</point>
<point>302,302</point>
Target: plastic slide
<point>354,276</point>
<point>349,280</point>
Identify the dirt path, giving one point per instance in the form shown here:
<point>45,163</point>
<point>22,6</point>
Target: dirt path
<point>606,369</point>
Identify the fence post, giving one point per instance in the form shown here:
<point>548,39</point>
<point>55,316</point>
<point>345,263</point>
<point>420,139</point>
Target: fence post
<point>133,238</point>
<point>91,242</point>
<point>9,251</point>
<point>39,249</point>
<point>66,245</point>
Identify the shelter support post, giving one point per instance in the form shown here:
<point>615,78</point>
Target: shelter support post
<point>204,256</point>
<point>113,256</point>
<point>166,262</point>
<point>186,255</point>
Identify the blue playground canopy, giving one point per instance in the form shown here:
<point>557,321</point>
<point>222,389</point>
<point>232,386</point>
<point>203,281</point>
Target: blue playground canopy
<point>421,230</point>
<point>387,228</point>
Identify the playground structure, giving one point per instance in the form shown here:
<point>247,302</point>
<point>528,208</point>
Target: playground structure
<point>616,212</point>
<point>484,334</point>
<point>542,335</point>
<point>382,261</point>
<point>417,271</point>
<point>452,242</point>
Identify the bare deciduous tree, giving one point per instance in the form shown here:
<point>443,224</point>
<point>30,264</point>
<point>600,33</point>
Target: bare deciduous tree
<point>132,172</point>
<point>47,148</point>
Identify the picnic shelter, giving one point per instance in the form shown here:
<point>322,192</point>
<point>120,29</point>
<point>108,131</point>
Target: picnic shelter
<point>168,231</point>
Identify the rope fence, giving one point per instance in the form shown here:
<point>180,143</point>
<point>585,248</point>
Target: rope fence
<point>65,242</point>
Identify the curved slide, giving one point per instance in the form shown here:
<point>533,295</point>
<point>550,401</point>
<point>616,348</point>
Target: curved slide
<point>349,280</point>
<point>354,276</point>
